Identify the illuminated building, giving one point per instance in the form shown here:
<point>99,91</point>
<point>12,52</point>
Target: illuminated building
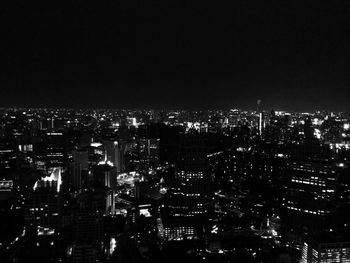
<point>149,152</point>
<point>278,129</point>
<point>50,149</point>
<point>106,174</point>
<point>25,148</point>
<point>55,149</point>
<point>114,154</point>
<point>104,179</point>
<point>188,195</point>
<point>145,210</point>
<point>96,153</point>
<point>52,181</point>
<point>132,121</point>
<point>261,123</point>
<point>186,200</point>
<point>178,229</point>
<point>43,208</point>
<point>6,185</point>
<point>7,154</point>
<point>6,189</point>
<point>325,248</point>
<point>310,193</point>
<point>235,166</point>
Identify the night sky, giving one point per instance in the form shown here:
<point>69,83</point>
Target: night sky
<point>175,54</point>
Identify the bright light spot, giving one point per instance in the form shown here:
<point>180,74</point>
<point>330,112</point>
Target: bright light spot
<point>96,144</point>
<point>113,244</point>
<point>55,176</point>
<point>317,133</point>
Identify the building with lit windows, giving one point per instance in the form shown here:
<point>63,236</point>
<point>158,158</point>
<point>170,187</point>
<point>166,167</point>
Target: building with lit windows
<point>325,248</point>
<point>186,201</point>
<point>6,189</point>
<point>149,152</point>
<point>188,193</point>
<point>311,193</point>
<point>177,229</point>
<point>181,232</point>
<point>55,149</point>
<point>50,149</point>
<point>7,154</point>
<point>43,209</point>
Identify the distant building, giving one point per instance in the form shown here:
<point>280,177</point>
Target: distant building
<point>43,210</point>
<point>56,149</point>
<point>177,229</point>
<point>7,154</point>
<point>149,152</point>
<point>105,174</point>
<point>79,168</point>
<point>83,253</point>
<point>146,190</point>
<point>6,189</point>
<point>114,154</point>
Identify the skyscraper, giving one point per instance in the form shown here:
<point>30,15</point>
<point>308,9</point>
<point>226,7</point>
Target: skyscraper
<point>187,197</point>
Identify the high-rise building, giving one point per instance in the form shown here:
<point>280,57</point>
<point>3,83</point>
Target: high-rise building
<point>83,253</point>
<point>261,123</point>
<point>311,193</point>
<point>55,149</point>
<point>89,227</point>
<point>7,154</point>
<point>43,209</point>
<point>148,152</point>
<point>50,150</point>
<point>79,168</point>
<point>187,196</point>
<point>106,176</point>
<point>325,248</point>
<point>114,154</point>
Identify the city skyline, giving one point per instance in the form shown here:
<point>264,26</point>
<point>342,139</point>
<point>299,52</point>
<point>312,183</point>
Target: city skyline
<point>175,131</point>
<point>133,186</point>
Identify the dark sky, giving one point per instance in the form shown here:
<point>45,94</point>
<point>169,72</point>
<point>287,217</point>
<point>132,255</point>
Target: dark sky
<point>176,54</point>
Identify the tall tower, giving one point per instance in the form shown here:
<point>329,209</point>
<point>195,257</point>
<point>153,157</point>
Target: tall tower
<point>261,116</point>
<point>114,154</point>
